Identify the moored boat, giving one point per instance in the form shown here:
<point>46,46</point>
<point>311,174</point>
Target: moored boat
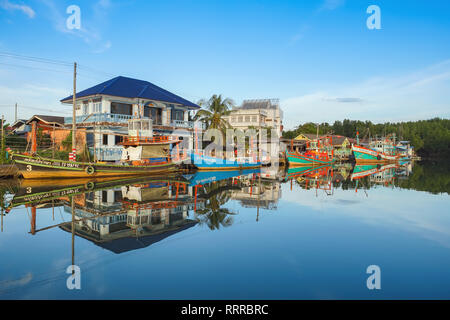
<point>318,152</point>
<point>142,154</point>
<point>376,151</point>
<point>203,162</point>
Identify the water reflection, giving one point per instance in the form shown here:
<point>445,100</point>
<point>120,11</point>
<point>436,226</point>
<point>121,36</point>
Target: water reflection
<point>124,215</point>
<point>113,213</point>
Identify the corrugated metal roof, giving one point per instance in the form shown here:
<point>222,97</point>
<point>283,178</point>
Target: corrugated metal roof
<point>47,119</point>
<point>132,88</point>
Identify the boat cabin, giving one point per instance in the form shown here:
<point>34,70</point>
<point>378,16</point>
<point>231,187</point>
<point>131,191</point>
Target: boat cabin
<point>140,128</point>
<point>141,147</point>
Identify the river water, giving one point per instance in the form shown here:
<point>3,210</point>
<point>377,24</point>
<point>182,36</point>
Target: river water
<point>308,233</point>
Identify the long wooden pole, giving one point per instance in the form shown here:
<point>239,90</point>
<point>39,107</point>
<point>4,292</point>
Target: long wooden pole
<point>74,121</point>
<point>53,142</point>
<point>33,137</point>
<point>73,232</point>
<point>95,150</point>
<point>3,141</point>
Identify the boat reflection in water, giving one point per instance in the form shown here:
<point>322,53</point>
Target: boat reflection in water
<point>162,218</point>
<point>127,214</point>
<point>346,176</point>
<point>378,174</point>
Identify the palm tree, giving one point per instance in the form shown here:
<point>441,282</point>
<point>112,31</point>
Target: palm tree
<point>213,112</point>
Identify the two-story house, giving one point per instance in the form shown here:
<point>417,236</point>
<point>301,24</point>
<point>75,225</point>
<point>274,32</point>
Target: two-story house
<point>105,109</point>
<point>262,113</point>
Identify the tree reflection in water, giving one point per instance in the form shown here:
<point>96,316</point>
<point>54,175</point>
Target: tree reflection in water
<point>213,215</point>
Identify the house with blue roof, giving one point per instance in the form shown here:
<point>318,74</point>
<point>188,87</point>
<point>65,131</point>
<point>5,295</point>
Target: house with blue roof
<point>106,108</point>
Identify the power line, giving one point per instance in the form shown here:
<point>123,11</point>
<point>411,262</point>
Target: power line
<point>34,108</point>
<point>95,70</point>
<point>35,59</point>
<point>50,61</point>
<point>32,67</point>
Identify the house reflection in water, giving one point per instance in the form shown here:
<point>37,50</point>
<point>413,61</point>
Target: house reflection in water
<point>256,192</point>
<point>133,216</point>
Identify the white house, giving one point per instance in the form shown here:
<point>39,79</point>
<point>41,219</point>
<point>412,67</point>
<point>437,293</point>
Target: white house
<point>106,108</point>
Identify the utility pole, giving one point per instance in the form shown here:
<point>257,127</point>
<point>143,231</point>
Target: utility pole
<point>3,142</point>
<point>74,121</point>
<point>95,150</point>
<point>15,116</point>
<point>53,143</point>
<point>73,234</point>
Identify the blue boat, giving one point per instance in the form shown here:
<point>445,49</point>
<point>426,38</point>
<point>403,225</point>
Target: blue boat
<point>203,162</point>
<point>203,177</point>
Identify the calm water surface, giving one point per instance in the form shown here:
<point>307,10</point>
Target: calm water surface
<point>309,233</point>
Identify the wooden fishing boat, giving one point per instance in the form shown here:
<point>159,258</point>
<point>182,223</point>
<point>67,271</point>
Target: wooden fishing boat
<point>142,154</point>
<point>376,151</point>
<point>318,152</point>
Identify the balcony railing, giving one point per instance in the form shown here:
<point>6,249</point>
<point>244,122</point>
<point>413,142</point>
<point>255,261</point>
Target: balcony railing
<point>185,124</point>
<point>100,117</point>
<point>123,118</point>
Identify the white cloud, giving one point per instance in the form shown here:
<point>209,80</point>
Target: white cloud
<point>32,99</point>
<point>332,4</point>
<point>90,30</point>
<point>5,4</point>
<point>299,35</point>
<point>8,284</point>
<point>419,95</point>
<point>408,214</point>
<point>104,47</point>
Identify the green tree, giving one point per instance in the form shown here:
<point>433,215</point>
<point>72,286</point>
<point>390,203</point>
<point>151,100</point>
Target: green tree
<point>213,112</point>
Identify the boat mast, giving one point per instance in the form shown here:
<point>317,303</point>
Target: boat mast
<point>74,121</point>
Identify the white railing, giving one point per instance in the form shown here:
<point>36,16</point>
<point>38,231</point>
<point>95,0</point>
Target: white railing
<point>100,117</point>
<point>123,118</point>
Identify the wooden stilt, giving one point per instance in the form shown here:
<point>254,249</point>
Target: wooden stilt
<point>33,220</point>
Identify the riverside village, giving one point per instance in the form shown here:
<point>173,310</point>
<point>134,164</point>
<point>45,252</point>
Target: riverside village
<point>136,166</point>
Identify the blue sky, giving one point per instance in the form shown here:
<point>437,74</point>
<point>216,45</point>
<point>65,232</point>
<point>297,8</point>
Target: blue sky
<point>318,57</point>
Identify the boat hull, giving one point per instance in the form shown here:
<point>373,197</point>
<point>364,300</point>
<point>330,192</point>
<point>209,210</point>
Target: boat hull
<point>38,168</point>
<point>205,163</point>
<point>368,156</point>
<point>296,159</point>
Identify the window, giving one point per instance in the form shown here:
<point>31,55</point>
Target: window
<point>240,119</point>
<point>121,108</point>
<point>177,114</point>
<point>233,119</point>
<point>117,195</point>
<point>247,118</point>
<point>104,196</point>
<point>136,125</point>
<point>253,118</point>
<point>85,108</point>
<point>97,107</point>
<point>154,113</point>
<point>118,139</point>
<point>105,140</point>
